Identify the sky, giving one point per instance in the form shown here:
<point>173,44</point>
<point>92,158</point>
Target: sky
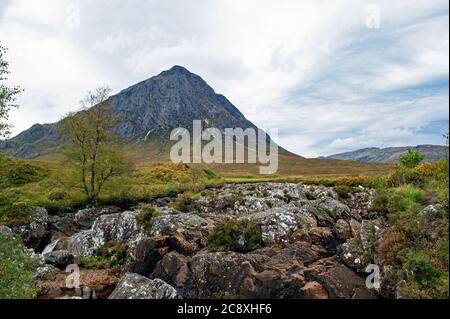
<point>332,76</point>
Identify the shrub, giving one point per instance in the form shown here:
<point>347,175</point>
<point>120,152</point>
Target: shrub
<point>344,191</point>
<point>184,203</point>
<point>16,270</point>
<point>411,159</point>
<point>403,175</point>
<point>235,235</point>
<point>114,252</point>
<point>144,218</point>
<point>94,262</point>
<point>423,270</point>
<point>109,255</point>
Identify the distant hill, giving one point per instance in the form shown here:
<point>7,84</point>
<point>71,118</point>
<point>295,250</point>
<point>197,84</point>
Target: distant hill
<point>391,154</point>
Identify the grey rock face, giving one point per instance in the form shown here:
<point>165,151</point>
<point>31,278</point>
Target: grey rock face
<point>34,233</point>
<point>119,227</point>
<point>59,258</point>
<point>134,286</point>
<point>86,217</point>
<point>169,224</point>
<point>6,231</point>
<point>148,110</point>
<point>278,223</point>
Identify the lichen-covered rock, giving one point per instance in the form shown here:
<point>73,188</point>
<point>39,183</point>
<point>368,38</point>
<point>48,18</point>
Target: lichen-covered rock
<point>120,228</point>
<point>180,223</point>
<point>334,208</point>
<point>79,244</point>
<point>428,213</point>
<point>277,224</point>
<point>370,232</point>
<point>352,254</point>
<point>321,192</point>
<point>6,231</point>
<point>34,234</point>
<point>46,272</point>
<point>134,286</point>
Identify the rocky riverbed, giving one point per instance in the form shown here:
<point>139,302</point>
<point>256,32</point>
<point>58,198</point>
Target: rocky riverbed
<point>315,245</point>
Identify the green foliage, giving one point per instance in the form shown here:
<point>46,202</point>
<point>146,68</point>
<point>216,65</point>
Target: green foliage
<point>92,149</point>
<point>184,203</point>
<point>16,270</point>
<point>235,235</point>
<point>422,269</point>
<point>15,172</point>
<point>344,191</point>
<point>403,175</point>
<point>7,96</point>
<point>145,216</point>
<point>109,255</point>
<point>411,159</point>
<point>415,246</point>
<point>310,196</point>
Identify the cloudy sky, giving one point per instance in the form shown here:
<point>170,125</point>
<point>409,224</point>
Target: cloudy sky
<point>332,76</point>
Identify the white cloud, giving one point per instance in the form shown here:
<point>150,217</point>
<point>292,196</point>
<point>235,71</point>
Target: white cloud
<point>311,68</point>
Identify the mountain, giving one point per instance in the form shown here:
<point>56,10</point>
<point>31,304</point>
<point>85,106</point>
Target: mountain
<point>391,154</point>
<point>148,111</point>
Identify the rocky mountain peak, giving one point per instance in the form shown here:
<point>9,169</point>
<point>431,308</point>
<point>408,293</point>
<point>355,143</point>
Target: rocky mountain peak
<point>147,110</point>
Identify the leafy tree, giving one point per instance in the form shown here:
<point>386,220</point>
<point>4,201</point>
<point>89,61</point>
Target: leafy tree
<point>411,159</point>
<point>92,145</point>
<point>7,96</point>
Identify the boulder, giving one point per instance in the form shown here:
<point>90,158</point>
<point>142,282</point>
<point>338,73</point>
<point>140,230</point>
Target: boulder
<point>134,286</point>
<point>323,217</point>
<point>173,269</point>
<point>86,217</point>
<point>180,244</point>
<point>370,233</point>
<point>46,272</point>
<point>35,233</point>
<point>119,227</point>
<point>324,237</point>
<point>5,231</point>
<point>339,281</point>
<point>79,244</point>
<point>63,225</point>
<point>428,213</point>
<point>146,254</point>
<point>277,224</point>
<point>59,258</point>
<point>180,223</point>
<point>313,290</point>
<point>218,275</point>
<point>334,208</point>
